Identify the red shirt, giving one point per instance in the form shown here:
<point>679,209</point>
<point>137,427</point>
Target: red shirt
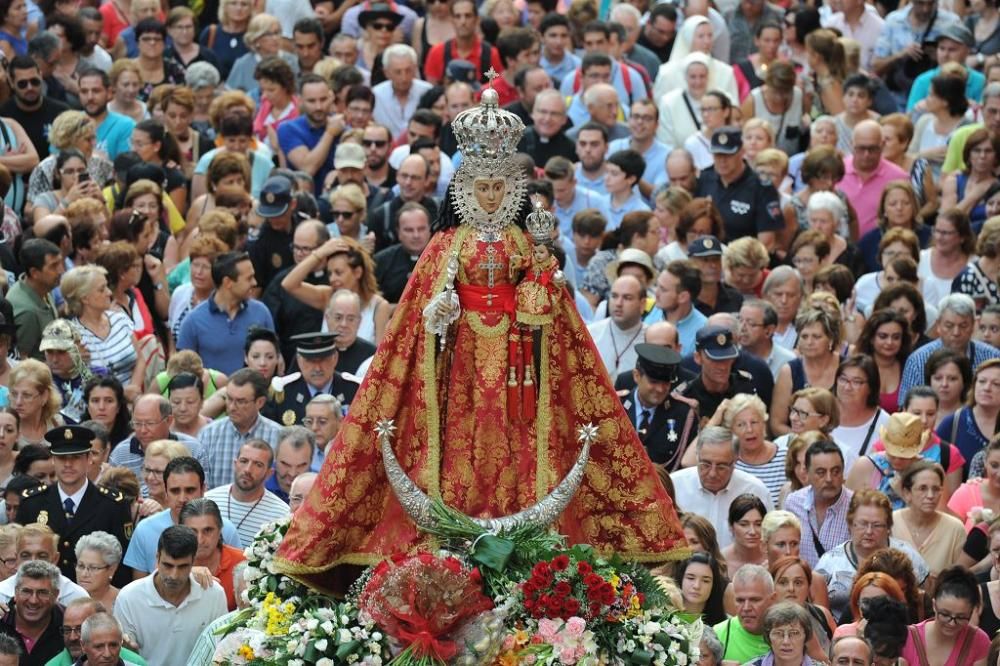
<point>434,64</point>
<point>114,22</point>
<point>507,92</point>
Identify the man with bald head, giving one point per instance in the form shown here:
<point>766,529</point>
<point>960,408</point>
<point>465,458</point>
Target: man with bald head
<point>292,316</point>
<point>617,336</point>
<point>301,486</point>
<point>601,102</point>
<point>544,138</point>
<point>458,97</point>
<point>866,173</point>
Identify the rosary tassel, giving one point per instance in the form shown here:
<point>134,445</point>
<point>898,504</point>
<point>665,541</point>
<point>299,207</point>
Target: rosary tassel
<point>513,380</point>
<point>529,398</point>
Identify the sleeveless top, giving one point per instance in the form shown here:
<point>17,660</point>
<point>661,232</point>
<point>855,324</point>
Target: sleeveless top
<point>798,369</point>
<point>787,130</point>
<point>978,212</point>
<point>19,44</point>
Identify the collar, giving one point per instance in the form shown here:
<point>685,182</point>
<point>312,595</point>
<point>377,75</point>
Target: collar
<point>690,314</point>
<point>640,406</point>
<point>77,497</point>
<point>214,308</point>
<point>249,430</point>
<point>327,388</point>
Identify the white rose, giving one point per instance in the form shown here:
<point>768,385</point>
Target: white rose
<point>321,645</point>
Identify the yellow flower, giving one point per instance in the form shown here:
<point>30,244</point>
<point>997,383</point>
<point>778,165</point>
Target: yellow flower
<point>246,652</point>
<point>615,581</point>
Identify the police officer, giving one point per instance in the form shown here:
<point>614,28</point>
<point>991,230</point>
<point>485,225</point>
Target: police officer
<point>316,355</point>
<point>75,507</point>
<point>715,295</point>
<point>665,422</point>
<point>716,353</point>
<point>749,204</point>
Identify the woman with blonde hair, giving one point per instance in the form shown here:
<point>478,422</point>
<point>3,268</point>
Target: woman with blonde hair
<point>349,208</point>
<point>897,133</point>
<point>349,267</point>
<point>154,461</point>
<point>71,129</point>
<point>36,399</point>
<point>108,335</point>
<point>758,135</point>
<point>263,39</point>
<point>8,549</point>
<point>126,81</point>
<point>746,416</point>
<point>668,204</point>
<point>503,12</point>
<point>828,64</point>
<point>745,262</point>
<point>225,38</point>
<point>205,248</point>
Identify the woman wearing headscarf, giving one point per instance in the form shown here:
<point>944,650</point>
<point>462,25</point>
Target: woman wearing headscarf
<point>695,35</point>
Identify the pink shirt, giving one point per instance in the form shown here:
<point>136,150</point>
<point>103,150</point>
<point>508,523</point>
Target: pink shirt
<point>964,499</point>
<point>864,195</point>
<point>979,650</point>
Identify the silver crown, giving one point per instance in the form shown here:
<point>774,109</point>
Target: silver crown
<point>487,131</point>
<point>540,224</point>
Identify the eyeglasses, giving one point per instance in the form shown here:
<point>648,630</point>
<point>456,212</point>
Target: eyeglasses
<point>851,381</point>
<point>27,396</point>
<point>350,319</point>
<point>948,618</point>
<point>29,593</point>
<point>750,324</point>
<point>642,118</point>
<point>67,630</point>
<point>801,413</point>
<point>273,33</point>
<point>29,83</point>
<point>383,27</point>
<point>373,143</point>
<point>777,635</point>
<point>149,471</point>
<point>303,249</point>
<point>337,214</point>
<point>866,149</point>
<point>90,568</point>
<point>706,466</point>
<point>151,39</point>
<point>140,425</point>
<point>869,527</point>
<point>241,402</point>
<point>320,421</point>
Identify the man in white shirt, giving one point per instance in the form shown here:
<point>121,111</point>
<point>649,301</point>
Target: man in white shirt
<point>861,22</point>
<point>617,336</point>
<point>396,98</point>
<point>166,612</point>
<point>758,319</point>
<point>709,487</point>
<point>245,501</point>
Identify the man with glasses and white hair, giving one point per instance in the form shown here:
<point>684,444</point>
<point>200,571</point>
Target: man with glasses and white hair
<point>711,485</point>
<point>34,612</point>
<point>396,98</point>
<point>323,418</point>
<point>956,323</point>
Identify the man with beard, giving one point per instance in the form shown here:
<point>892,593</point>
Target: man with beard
<point>659,32</point>
<point>377,142</point>
<point>169,603</point>
<point>317,360</point>
<point>28,106</point>
<point>93,54</point>
<point>307,37</point>
<point>114,131</point>
<point>245,500</point>
<point>308,140</point>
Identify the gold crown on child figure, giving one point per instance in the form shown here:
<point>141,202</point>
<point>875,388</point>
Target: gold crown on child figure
<point>540,224</point>
<point>487,131</point>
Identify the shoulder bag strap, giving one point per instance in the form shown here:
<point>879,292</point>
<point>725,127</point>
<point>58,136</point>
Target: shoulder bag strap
<point>817,544</point>
<point>963,654</point>
<point>694,116</point>
<point>918,643</point>
<point>868,437</point>
<point>954,424</point>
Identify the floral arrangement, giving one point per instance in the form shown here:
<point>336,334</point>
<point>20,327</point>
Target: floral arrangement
<point>260,575</point>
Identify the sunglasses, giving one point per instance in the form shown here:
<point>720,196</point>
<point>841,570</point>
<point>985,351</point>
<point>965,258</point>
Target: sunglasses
<point>29,83</point>
<point>384,27</point>
<point>374,143</point>
<point>338,214</point>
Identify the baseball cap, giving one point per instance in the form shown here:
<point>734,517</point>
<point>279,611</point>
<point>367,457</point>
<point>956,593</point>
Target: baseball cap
<point>349,156</point>
<point>463,71</point>
<point>705,246</point>
<point>58,336</point>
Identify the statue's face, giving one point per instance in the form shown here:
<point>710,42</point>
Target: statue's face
<point>489,193</point>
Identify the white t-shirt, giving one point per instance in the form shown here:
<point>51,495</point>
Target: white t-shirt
<point>851,439</point>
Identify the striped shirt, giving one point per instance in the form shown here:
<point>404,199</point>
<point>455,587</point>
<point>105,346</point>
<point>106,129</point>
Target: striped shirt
<point>129,453</point>
<point>771,473</point>
<point>248,517</point>
<point>221,441</point>
<point>116,351</point>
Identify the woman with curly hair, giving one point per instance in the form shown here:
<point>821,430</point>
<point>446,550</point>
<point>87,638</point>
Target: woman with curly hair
<point>885,339</point>
<point>351,268</point>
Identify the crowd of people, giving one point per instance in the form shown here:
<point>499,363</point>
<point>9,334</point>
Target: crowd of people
<point>779,221</point>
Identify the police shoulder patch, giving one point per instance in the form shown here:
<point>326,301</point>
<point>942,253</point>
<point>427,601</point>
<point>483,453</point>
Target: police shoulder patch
<point>745,375</point>
<point>37,490</point>
<point>111,493</point>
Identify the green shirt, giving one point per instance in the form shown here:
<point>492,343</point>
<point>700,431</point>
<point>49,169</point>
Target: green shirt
<point>953,160</point>
<point>738,644</point>
<point>31,315</point>
<point>64,658</point>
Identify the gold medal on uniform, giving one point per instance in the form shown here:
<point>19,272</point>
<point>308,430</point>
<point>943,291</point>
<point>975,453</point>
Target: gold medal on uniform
<point>288,418</point>
<point>276,260</point>
<point>43,518</point>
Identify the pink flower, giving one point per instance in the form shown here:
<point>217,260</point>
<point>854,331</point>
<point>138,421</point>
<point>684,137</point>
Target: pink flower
<point>575,626</point>
<point>548,629</point>
<point>508,643</point>
<point>567,655</point>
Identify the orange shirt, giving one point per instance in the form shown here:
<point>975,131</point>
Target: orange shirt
<point>230,558</point>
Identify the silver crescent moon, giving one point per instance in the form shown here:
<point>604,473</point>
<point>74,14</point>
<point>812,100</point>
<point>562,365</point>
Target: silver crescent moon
<point>417,503</point>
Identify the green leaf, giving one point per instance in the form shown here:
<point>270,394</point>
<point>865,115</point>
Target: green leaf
<point>641,657</point>
<point>493,552</point>
<point>346,649</point>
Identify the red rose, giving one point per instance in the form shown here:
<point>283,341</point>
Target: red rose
<point>595,609</point>
<point>571,605</point>
<point>560,562</point>
<point>563,589</point>
<point>540,569</point>
<point>607,595</point>
<point>554,609</point>
<point>452,565</point>
<point>583,568</point>
<point>398,558</point>
<point>425,558</point>
<point>593,580</point>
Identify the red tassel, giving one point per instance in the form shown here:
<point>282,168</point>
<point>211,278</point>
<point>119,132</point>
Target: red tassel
<point>513,378</point>
<point>529,398</point>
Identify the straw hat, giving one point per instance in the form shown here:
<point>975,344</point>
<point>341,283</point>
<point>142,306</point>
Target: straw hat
<point>903,435</point>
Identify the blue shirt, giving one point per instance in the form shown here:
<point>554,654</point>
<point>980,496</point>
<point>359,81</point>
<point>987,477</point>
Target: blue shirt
<point>633,203</point>
<point>562,70</point>
<point>218,339</point>
<point>913,371</point>
<point>299,132</point>
<point>687,328</point>
<point>655,156</point>
<point>272,485</point>
<point>569,85</point>
<point>585,198</point>
<point>974,85</point>
<point>595,185</point>
<point>141,553</point>
<point>114,135</point>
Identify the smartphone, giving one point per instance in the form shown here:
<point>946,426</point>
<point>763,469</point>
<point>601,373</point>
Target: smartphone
<point>83,177</point>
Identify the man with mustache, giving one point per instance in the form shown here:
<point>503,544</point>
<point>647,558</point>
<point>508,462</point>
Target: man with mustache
<point>316,355</point>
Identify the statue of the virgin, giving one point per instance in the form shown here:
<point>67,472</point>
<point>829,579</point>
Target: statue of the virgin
<point>456,372</point>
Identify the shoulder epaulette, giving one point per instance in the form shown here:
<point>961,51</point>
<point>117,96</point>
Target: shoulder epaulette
<point>110,493</point>
<point>37,490</point>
